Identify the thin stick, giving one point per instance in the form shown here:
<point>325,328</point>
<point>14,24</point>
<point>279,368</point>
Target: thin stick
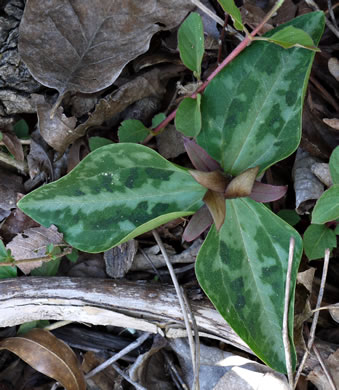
<point>174,372</point>
<point>285,335</point>
<point>216,18</point>
<point>118,355</point>
<point>46,259</point>
<point>221,39</point>
<point>313,5</point>
<point>196,384</point>
<point>323,366</point>
<point>58,324</point>
<point>155,269</point>
<point>22,141</point>
<point>315,317</point>
<point>330,11</point>
<point>127,378</point>
<point>180,297</point>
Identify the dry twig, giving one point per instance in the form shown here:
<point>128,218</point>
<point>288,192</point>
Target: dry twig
<point>118,355</point>
<point>315,317</point>
<point>180,297</point>
<point>323,366</point>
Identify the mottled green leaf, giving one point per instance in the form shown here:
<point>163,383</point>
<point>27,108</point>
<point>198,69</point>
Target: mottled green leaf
<point>334,165</point>
<point>327,207</point>
<point>317,238</point>
<point>132,130</point>
<point>188,117</point>
<point>116,193</point>
<point>251,111</point>
<point>243,271</point>
<point>290,216</point>
<point>230,7</point>
<point>191,43</point>
<point>98,142</point>
<point>292,37</point>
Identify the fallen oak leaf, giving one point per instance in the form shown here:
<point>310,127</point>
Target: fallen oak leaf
<point>47,354</point>
<point>83,46</point>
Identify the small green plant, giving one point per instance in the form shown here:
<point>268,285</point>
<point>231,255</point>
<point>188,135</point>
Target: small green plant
<point>248,118</point>
<point>321,234</point>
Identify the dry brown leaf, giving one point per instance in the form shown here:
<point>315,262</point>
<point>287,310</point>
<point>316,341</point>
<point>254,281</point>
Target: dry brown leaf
<point>170,143</point>
<point>32,244</point>
<point>83,46</point>
<point>48,355</point>
<point>39,163</point>
<point>58,131</point>
<point>334,311</point>
<point>333,67</point>
<point>307,187</point>
<point>222,370</point>
<point>103,380</point>
<point>148,368</point>
<point>142,86</point>
<point>332,122</point>
<point>13,144</point>
<point>319,379</point>
<point>242,185</point>
<point>216,204</point>
<point>322,172</point>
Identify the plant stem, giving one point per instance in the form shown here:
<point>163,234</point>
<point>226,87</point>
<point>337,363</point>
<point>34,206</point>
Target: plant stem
<point>47,258</point>
<point>242,45</point>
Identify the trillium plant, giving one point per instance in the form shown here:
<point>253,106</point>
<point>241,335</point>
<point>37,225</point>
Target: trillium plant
<point>244,119</point>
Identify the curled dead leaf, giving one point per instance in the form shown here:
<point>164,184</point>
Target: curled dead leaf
<point>47,354</point>
<point>241,185</point>
<point>58,131</point>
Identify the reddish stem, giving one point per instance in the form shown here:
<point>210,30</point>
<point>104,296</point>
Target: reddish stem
<point>242,45</point>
